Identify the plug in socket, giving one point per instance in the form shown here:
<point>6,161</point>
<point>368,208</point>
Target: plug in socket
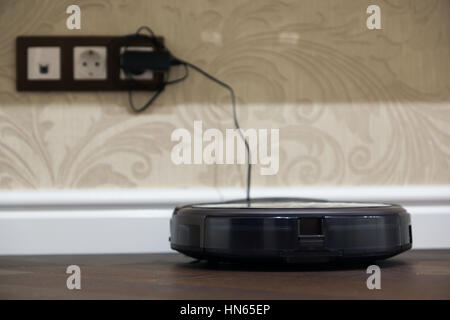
<point>147,75</point>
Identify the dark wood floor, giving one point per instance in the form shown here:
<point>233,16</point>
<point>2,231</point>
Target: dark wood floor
<point>412,275</point>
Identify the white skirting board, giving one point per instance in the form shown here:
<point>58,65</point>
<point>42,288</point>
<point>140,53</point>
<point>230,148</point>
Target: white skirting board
<point>137,220</point>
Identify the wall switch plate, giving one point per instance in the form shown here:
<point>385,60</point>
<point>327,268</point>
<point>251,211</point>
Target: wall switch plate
<point>86,63</point>
<point>44,63</point>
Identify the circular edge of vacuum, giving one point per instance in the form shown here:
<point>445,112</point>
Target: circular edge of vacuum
<point>290,230</point>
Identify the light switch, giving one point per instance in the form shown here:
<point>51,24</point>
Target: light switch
<point>44,63</point>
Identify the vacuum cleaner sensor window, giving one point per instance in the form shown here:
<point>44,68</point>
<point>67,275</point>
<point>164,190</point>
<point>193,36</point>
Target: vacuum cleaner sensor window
<point>290,230</point>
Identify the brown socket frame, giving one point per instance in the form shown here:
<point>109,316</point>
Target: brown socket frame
<point>67,81</point>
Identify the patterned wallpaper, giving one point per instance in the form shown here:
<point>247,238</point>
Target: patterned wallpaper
<point>354,106</point>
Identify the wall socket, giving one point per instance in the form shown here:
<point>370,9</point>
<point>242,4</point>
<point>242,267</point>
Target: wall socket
<point>90,63</point>
<point>80,63</point>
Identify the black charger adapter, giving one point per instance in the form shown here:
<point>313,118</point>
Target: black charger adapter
<point>137,62</point>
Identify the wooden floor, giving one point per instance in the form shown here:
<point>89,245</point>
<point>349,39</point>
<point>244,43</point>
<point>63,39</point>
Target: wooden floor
<point>412,275</point>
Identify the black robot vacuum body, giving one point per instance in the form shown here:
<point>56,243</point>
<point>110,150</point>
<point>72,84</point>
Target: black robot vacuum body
<point>290,230</point>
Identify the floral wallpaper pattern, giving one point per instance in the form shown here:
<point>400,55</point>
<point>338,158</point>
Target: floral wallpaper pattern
<point>354,106</point>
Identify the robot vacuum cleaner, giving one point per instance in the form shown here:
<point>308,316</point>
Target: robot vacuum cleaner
<point>290,230</point>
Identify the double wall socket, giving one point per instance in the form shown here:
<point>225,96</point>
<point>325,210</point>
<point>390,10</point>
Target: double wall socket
<point>75,63</point>
<point>44,63</point>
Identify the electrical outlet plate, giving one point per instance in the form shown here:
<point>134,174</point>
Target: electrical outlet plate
<point>67,73</point>
<point>89,63</point>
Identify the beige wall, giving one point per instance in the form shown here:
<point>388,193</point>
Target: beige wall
<point>354,107</point>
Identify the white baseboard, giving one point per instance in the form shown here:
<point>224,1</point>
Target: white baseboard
<point>137,221</point>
